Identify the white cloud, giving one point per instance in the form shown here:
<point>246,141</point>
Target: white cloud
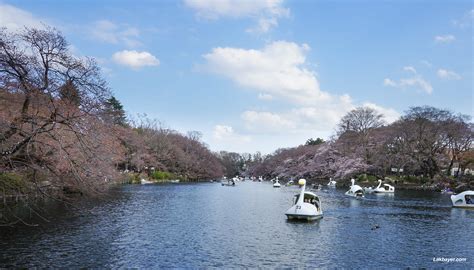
<point>266,12</point>
<point>426,63</point>
<point>266,121</point>
<point>264,25</point>
<point>416,81</point>
<point>448,74</point>
<point>466,20</point>
<point>445,39</point>
<point>390,115</point>
<point>306,120</point>
<point>278,70</point>
<point>264,96</point>
<point>135,59</point>
<point>222,131</point>
<point>224,137</point>
<point>109,32</point>
<point>214,9</point>
<point>265,129</point>
<point>410,69</point>
<point>15,19</point>
<point>227,133</point>
<point>389,82</point>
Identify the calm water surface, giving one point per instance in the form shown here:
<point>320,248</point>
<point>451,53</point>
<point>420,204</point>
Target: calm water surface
<point>207,225</point>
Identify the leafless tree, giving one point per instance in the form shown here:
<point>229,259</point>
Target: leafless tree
<point>360,120</point>
<point>355,130</point>
<point>52,99</point>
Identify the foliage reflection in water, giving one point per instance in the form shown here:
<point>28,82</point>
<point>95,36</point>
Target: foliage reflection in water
<point>207,225</point>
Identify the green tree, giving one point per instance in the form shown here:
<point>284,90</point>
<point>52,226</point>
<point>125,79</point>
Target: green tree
<point>316,141</point>
<point>114,112</point>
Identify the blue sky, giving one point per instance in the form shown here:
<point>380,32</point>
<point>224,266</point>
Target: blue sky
<point>260,75</point>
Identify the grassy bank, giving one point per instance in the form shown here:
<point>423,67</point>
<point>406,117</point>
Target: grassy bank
<point>156,176</point>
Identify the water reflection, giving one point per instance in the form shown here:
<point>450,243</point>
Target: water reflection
<point>207,225</point>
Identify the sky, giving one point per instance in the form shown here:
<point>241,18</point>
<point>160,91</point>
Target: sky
<point>262,75</point>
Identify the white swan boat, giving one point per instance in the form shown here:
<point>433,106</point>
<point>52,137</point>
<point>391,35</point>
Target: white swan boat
<point>307,206</point>
<point>228,182</point>
<point>464,199</point>
<point>355,190</point>
<point>447,191</point>
<point>145,182</point>
<point>277,183</point>
<point>386,188</point>
<point>331,183</point>
<point>369,190</point>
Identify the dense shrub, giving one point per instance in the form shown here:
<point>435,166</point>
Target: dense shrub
<point>159,175</point>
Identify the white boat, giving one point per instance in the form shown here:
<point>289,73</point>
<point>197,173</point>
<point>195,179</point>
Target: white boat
<point>228,182</point>
<point>369,190</point>
<point>277,183</point>
<point>386,188</point>
<point>447,191</point>
<point>332,183</point>
<point>464,199</point>
<point>174,181</point>
<point>355,190</point>
<point>260,179</point>
<point>307,206</point>
<point>145,182</point>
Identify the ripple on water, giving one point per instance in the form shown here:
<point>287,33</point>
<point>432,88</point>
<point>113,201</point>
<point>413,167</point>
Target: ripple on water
<point>207,225</point>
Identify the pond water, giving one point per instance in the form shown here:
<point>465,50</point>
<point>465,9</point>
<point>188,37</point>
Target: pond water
<point>208,225</point>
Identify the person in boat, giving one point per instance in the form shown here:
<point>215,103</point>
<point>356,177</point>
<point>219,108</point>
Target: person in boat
<point>468,200</point>
<point>314,202</point>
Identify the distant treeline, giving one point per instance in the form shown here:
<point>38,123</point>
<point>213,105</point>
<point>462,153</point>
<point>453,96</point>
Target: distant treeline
<point>426,145</point>
<point>61,130</point>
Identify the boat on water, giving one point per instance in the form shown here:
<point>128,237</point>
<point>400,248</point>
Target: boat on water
<point>385,188</point>
<point>447,191</point>
<point>317,186</point>
<point>145,182</point>
<point>355,190</point>
<point>368,190</point>
<point>276,184</point>
<point>332,183</point>
<point>228,182</point>
<point>307,206</point>
<point>174,181</point>
<point>290,183</point>
<point>464,199</point>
